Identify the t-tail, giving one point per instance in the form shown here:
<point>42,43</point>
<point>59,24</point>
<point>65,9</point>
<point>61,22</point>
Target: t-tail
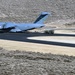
<point>42,18</point>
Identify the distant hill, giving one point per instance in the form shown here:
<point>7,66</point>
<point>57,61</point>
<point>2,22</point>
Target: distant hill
<point>28,10</point>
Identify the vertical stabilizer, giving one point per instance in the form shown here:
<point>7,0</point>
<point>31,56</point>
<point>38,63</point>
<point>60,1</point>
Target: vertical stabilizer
<point>42,18</point>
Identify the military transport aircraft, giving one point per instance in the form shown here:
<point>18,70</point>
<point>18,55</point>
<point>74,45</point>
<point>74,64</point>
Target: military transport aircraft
<point>21,27</point>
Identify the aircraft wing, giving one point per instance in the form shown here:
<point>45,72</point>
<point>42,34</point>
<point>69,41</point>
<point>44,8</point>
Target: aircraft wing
<point>60,29</point>
<point>51,30</point>
<point>16,29</point>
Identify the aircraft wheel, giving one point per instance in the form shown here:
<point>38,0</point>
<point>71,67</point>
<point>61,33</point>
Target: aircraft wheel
<point>49,31</point>
<point>1,32</point>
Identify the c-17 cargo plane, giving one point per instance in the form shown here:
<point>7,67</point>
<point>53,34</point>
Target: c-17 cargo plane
<point>21,27</point>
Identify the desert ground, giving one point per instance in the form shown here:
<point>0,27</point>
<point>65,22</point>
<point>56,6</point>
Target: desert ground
<point>30,63</point>
<point>33,52</point>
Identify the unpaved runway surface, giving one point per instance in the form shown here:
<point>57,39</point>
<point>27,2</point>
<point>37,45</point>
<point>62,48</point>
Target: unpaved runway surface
<point>30,63</point>
<point>39,42</point>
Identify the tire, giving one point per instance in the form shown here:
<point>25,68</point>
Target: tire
<point>49,31</point>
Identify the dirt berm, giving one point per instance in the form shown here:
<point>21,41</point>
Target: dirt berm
<point>30,63</point>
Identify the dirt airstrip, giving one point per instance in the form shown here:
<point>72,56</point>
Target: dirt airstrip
<point>18,44</point>
<point>13,45</point>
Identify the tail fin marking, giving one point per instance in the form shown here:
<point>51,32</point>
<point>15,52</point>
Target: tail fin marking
<point>42,17</point>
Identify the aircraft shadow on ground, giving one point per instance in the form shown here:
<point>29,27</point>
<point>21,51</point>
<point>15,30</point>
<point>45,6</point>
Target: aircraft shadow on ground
<point>22,37</point>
